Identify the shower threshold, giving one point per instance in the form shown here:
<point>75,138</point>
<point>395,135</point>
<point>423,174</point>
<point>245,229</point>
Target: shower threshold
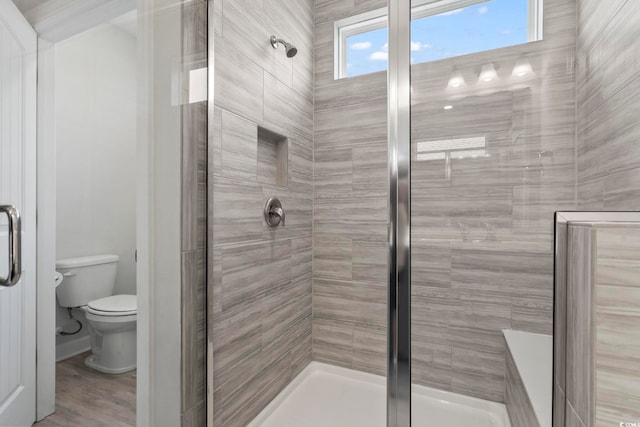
<point>329,396</point>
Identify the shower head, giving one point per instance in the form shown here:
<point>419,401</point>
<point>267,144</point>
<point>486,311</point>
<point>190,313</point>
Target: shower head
<point>290,49</point>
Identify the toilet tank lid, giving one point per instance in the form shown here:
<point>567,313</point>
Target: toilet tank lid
<point>86,261</point>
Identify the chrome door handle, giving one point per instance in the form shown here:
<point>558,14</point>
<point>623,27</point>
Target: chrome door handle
<point>15,246</point>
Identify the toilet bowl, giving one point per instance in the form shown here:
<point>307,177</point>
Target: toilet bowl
<point>112,325</point>
<point>88,284</point>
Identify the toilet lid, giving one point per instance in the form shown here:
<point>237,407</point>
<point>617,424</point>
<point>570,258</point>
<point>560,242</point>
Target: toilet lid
<point>116,305</point>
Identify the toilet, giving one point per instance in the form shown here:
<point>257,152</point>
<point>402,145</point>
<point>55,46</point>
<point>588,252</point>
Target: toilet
<point>88,284</point>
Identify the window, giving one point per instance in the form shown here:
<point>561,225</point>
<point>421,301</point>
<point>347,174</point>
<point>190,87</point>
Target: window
<point>439,30</point>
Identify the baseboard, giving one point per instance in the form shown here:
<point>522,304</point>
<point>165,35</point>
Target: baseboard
<point>72,348</point>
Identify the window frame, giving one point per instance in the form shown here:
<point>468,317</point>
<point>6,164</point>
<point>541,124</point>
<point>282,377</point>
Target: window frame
<point>377,19</point>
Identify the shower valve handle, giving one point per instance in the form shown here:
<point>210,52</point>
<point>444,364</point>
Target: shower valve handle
<point>279,213</point>
<point>274,214</point>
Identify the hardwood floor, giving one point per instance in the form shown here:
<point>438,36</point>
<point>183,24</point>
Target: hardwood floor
<point>88,398</point>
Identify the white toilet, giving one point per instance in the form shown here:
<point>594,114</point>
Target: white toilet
<point>89,284</point>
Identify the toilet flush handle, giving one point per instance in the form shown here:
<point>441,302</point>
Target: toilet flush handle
<point>69,273</point>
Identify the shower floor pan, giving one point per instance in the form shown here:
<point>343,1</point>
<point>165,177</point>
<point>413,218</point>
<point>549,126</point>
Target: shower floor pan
<point>329,396</point>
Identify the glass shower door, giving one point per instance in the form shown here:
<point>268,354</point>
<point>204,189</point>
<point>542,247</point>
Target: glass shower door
<point>492,134</point>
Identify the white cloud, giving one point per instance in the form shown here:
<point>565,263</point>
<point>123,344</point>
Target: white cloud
<point>383,53</point>
<point>506,32</point>
<point>453,12</point>
<point>483,10</point>
<point>361,46</point>
<point>418,46</point>
<point>379,56</point>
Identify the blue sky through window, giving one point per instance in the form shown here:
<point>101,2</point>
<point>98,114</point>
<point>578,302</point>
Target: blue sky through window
<point>489,25</point>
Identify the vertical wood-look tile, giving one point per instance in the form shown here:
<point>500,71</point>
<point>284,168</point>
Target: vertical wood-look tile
<point>478,373</point>
<point>237,211</point>
<point>482,231</point>
<point>560,318</point>
<point>608,174</point>
<point>559,406</point>
<point>572,418</point>
<point>239,81</point>
<point>517,400</point>
<point>579,320</point>
<point>194,169</point>
<point>332,344</point>
<point>617,391</point>
<point>260,278</point>
<point>617,321</point>
<point>195,417</point>
<point>239,153</point>
<point>194,331</point>
<point>608,88</point>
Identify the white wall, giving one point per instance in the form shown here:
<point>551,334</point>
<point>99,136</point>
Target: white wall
<point>96,148</point>
<point>96,139</point>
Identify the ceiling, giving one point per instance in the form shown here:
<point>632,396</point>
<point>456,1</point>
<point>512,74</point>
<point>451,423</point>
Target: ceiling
<point>26,5</point>
<point>127,22</point>
<point>57,12</point>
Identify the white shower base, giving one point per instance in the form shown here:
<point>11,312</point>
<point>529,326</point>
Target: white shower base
<point>329,396</point>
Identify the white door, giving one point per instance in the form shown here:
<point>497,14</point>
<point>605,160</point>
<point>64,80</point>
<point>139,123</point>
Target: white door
<point>18,53</point>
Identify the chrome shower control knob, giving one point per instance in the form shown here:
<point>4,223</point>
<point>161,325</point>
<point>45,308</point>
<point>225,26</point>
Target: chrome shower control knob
<point>274,213</point>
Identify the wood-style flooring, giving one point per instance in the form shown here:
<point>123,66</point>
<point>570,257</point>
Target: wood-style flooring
<point>88,398</point>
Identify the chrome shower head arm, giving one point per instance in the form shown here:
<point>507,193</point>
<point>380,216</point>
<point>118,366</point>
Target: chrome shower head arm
<point>275,41</point>
<point>290,49</point>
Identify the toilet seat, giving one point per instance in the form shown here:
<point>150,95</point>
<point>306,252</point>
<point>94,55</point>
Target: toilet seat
<point>114,306</point>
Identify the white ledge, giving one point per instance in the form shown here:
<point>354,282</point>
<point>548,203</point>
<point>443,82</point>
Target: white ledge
<point>533,356</point>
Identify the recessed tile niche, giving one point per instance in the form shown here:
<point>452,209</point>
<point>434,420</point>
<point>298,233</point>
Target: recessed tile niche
<point>273,158</point>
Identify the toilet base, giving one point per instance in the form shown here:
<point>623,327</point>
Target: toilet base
<point>113,343</point>
<point>94,363</point>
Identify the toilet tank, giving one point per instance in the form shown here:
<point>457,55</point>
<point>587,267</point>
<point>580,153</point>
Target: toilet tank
<point>86,279</point>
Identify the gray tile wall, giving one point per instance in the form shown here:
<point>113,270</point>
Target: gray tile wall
<point>581,252</point>
<point>193,223</point>
<point>350,201</point>
<point>260,279</point>
<point>482,232</point>
<point>482,228</point>
<point>617,329</point>
<point>608,100</point>
<point>560,321</point>
<point>602,340</point>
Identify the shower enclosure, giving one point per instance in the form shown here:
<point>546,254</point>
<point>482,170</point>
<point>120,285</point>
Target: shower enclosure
<point>419,168</point>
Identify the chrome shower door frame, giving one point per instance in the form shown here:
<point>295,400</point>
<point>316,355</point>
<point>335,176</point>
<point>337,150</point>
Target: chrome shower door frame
<point>399,225</point>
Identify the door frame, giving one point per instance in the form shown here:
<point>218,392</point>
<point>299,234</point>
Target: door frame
<point>399,216</point>
<point>52,27</point>
<point>46,235</point>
